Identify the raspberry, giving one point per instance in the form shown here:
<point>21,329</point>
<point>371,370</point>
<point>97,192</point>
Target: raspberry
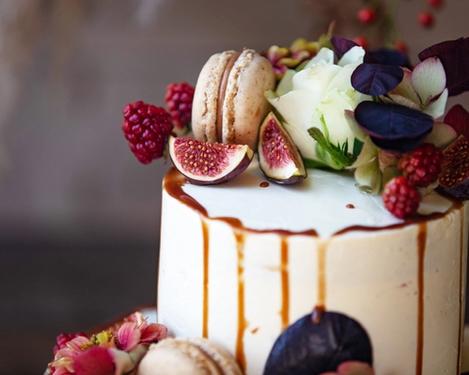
<point>361,41</point>
<point>366,15</point>
<point>179,103</point>
<point>426,19</point>
<point>435,3</point>
<point>422,166</point>
<point>147,129</point>
<point>401,198</point>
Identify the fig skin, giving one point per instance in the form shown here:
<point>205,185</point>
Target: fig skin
<point>454,179</point>
<point>311,347</point>
<point>272,127</point>
<point>232,160</point>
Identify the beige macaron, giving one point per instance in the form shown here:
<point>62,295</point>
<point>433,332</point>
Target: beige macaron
<point>187,356</point>
<point>229,103</point>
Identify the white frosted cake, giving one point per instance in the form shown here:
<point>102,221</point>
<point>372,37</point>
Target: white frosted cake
<point>240,262</point>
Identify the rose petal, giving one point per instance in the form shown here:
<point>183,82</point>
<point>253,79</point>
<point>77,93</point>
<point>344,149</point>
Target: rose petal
<point>429,79</point>
<point>353,56</point>
<point>441,135</point>
<point>153,332</point>
<point>128,336</point>
<point>94,361</point>
<point>436,108</point>
<point>324,56</point>
<point>454,55</point>
<point>458,119</point>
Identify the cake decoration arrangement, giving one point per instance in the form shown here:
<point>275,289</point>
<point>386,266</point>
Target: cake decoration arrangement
<point>340,248</point>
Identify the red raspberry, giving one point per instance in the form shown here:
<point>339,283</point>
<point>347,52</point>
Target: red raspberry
<point>361,41</point>
<point>422,166</point>
<point>179,103</point>
<point>147,128</point>
<point>426,19</point>
<point>401,198</point>
<point>366,15</point>
<point>435,3</point>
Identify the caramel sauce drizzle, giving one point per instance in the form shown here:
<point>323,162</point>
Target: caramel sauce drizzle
<point>322,287</point>
<point>285,311</point>
<point>242,323</point>
<point>205,237</point>
<point>421,245</point>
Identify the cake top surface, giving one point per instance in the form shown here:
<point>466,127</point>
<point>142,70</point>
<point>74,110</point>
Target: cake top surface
<point>326,202</point>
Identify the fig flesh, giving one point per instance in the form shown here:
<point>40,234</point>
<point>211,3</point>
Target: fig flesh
<point>454,179</point>
<point>204,163</point>
<point>279,158</point>
<point>311,347</point>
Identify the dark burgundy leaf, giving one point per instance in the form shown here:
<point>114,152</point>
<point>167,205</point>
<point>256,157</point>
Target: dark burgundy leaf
<point>311,348</point>
<point>458,118</point>
<point>387,56</point>
<point>393,127</point>
<point>454,55</point>
<point>342,45</point>
<point>376,79</point>
<point>398,145</point>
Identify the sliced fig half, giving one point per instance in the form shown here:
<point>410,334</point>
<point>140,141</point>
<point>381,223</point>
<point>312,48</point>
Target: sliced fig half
<point>279,158</point>
<point>204,163</point>
<point>454,179</point>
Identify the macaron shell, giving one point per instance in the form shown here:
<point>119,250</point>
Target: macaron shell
<point>220,355</point>
<point>205,102</point>
<point>177,357</point>
<point>245,105</point>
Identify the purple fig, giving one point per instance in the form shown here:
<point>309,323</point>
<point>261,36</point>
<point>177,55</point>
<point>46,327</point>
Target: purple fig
<point>279,158</point>
<point>454,179</point>
<point>312,347</point>
<point>204,163</point>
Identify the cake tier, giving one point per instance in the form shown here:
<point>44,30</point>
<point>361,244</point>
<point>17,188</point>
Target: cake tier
<point>239,263</point>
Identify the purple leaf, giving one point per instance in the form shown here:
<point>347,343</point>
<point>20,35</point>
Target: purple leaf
<point>393,127</point>
<point>386,56</point>
<point>342,45</point>
<point>376,79</point>
<point>454,55</point>
<point>458,118</point>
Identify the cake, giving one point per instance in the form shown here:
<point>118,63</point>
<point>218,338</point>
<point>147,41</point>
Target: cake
<point>254,260</point>
<point>315,221</point>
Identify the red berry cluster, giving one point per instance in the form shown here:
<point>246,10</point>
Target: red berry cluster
<point>178,99</point>
<point>420,168</point>
<point>147,128</point>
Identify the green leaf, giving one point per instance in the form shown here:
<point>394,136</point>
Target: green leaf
<point>336,157</point>
<point>357,147</point>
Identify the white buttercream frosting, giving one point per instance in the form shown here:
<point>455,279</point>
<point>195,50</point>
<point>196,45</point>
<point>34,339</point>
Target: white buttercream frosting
<point>320,203</point>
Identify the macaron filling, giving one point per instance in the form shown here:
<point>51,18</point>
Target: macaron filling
<point>221,94</point>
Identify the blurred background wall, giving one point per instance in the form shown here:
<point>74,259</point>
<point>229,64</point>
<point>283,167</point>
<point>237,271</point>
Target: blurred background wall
<point>79,217</point>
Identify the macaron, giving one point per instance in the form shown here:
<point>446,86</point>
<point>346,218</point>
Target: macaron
<point>229,103</point>
<point>187,356</point>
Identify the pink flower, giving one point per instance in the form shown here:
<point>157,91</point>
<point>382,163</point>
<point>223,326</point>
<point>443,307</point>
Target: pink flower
<point>94,361</point>
<point>63,338</point>
<point>352,368</point>
<point>128,336</point>
<point>153,333</point>
<point>65,356</point>
<point>136,330</point>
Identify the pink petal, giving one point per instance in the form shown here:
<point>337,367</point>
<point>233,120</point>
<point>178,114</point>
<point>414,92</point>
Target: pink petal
<point>429,79</point>
<point>128,336</point>
<point>94,361</point>
<point>354,368</point>
<point>153,333</point>
<point>458,119</point>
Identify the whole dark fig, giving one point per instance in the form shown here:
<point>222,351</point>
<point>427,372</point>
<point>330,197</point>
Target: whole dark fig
<point>312,346</point>
<point>454,179</point>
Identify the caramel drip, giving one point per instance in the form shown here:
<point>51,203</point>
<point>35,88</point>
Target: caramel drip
<point>421,244</point>
<point>242,323</point>
<point>205,236</point>
<point>285,311</point>
<point>322,287</point>
<point>461,291</point>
